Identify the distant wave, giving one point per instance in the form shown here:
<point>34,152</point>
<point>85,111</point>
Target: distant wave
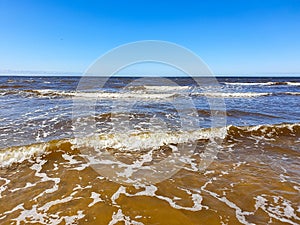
<point>234,113</point>
<point>161,88</point>
<point>87,95</point>
<point>287,93</point>
<point>262,83</point>
<point>293,83</point>
<point>231,94</point>
<point>11,86</point>
<point>170,92</point>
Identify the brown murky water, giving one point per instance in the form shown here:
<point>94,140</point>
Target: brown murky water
<point>254,180</point>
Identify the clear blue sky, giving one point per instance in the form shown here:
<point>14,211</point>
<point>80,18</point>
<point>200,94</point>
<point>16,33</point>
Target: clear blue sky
<point>232,37</point>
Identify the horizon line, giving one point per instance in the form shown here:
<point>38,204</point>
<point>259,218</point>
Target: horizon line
<point>48,73</point>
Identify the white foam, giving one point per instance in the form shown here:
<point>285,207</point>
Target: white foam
<point>70,159</point>
<point>123,95</point>
<point>240,214</point>
<point>262,83</point>
<point>4,186</point>
<point>120,217</point>
<point>294,83</point>
<point>19,154</point>
<point>49,204</point>
<point>99,94</point>
<point>292,93</point>
<point>96,198</point>
<point>231,94</point>
<point>38,215</point>
<point>28,185</point>
<point>281,209</point>
<point>167,88</point>
<point>70,220</point>
<point>150,190</point>
<point>248,83</point>
<point>44,178</point>
<point>116,195</point>
<point>125,142</point>
<point>136,142</point>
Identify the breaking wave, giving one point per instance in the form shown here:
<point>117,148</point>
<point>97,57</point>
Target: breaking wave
<point>231,94</point>
<point>262,83</point>
<point>47,93</point>
<point>136,142</point>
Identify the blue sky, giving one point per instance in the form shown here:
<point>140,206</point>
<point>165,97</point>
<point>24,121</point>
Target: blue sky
<point>232,37</point>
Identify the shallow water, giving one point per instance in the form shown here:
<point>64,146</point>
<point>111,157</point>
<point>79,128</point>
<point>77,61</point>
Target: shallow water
<point>47,177</point>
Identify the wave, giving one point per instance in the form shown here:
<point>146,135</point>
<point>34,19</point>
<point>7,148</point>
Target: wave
<point>262,83</point>
<point>122,142</point>
<point>289,93</point>
<point>132,94</point>
<point>135,142</point>
<point>248,83</point>
<point>125,95</point>
<point>294,83</point>
<point>86,95</point>
<point>268,131</point>
<point>160,88</point>
<point>11,86</point>
<point>242,94</point>
<point>234,113</point>
<point>231,94</point>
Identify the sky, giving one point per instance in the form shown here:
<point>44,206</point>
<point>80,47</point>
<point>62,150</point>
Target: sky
<point>231,36</point>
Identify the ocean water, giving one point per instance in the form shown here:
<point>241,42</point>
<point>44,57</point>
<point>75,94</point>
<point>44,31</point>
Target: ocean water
<point>47,174</point>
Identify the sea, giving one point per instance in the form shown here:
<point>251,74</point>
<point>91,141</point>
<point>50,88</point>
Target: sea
<point>175,150</point>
